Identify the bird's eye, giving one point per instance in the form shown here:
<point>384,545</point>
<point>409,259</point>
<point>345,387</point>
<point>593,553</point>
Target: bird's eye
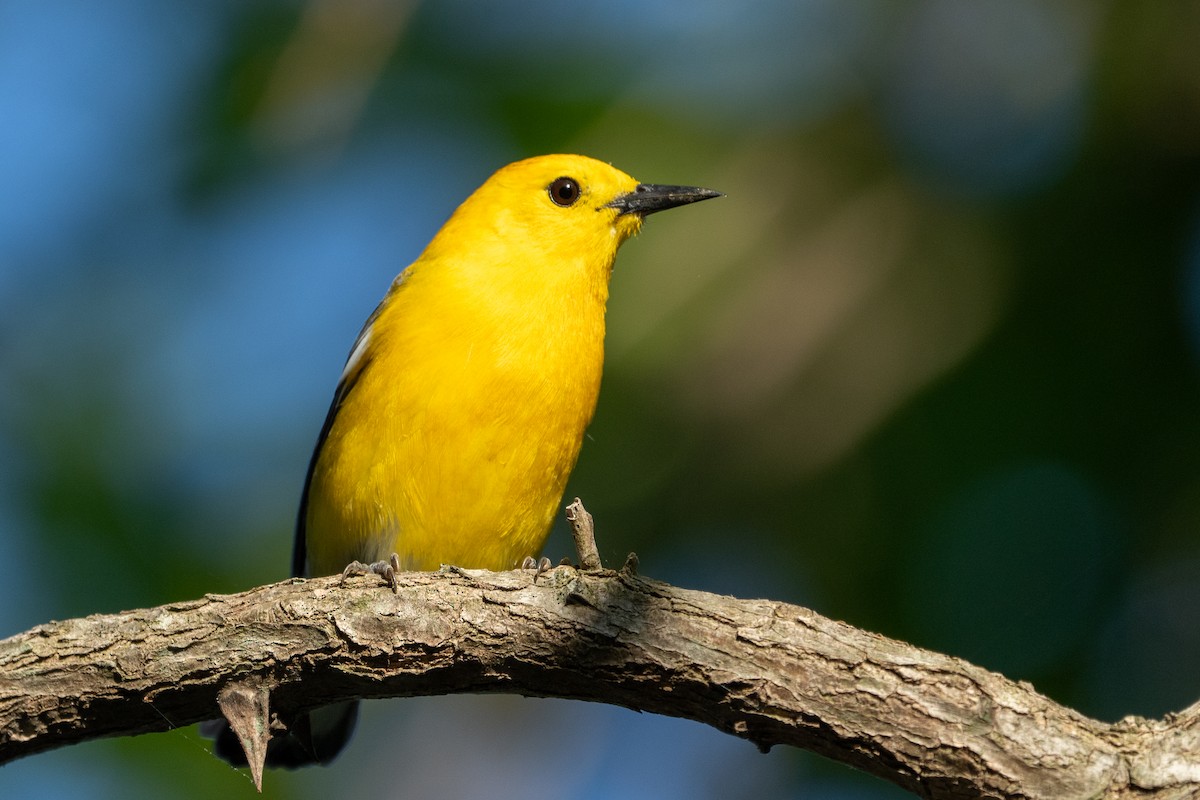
<point>564,191</point>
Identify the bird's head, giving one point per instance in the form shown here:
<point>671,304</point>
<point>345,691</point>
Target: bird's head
<point>543,233</point>
<point>563,208</point>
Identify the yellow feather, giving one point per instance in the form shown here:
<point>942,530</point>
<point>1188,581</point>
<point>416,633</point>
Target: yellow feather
<point>463,409</point>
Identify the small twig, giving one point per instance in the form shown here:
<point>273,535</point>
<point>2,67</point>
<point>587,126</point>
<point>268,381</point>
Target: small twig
<point>584,531</point>
<point>244,704</point>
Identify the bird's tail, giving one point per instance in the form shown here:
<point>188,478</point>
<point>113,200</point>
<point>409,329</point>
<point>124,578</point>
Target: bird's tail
<point>314,737</point>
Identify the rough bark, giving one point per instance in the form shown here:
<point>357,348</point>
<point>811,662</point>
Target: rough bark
<point>768,672</point>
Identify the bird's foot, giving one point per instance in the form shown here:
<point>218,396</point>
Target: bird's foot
<point>541,565</point>
<point>384,569</point>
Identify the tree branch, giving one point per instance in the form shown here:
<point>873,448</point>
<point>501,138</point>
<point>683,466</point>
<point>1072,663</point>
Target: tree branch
<point>768,672</point>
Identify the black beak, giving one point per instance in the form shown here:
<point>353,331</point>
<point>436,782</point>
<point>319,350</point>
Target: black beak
<point>648,198</point>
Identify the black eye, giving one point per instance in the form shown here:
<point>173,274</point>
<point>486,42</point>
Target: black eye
<point>564,191</point>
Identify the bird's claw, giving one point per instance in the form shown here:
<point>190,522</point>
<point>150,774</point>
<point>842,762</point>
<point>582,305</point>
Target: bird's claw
<point>384,569</point>
<point>541,565</point>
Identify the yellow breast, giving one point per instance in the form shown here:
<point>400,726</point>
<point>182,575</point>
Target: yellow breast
<point>455,444</point>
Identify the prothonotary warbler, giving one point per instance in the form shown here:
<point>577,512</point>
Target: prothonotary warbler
<point>462,406</point>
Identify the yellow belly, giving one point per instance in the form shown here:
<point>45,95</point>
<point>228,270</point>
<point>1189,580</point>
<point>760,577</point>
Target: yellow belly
<point>455,455</point>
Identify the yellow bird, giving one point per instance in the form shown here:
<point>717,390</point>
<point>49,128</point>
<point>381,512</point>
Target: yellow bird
<point>462,407</point>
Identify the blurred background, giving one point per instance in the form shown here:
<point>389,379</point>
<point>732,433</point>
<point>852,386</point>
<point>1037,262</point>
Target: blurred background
<point>932,367</point>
